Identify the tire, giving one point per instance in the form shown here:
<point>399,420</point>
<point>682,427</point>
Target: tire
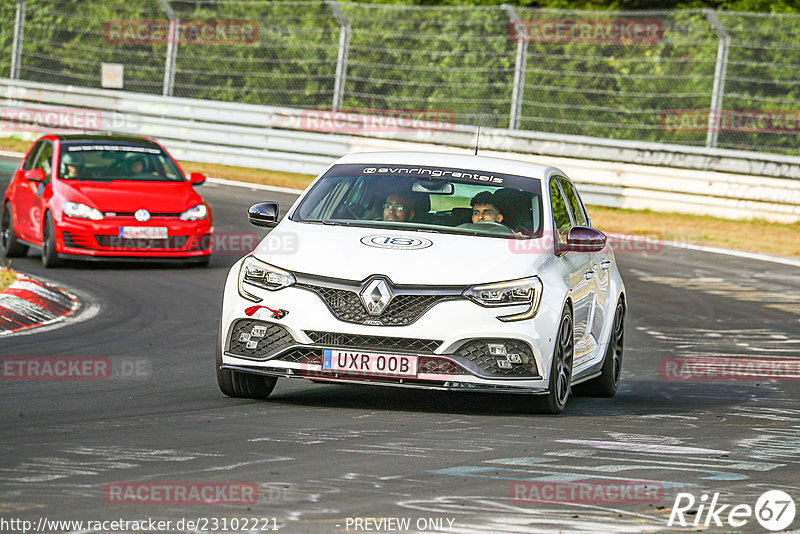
<point>607,383</point>
<point>560,368</point>
<point>50,257</point>
<point>241,385</point>
<point>9,246</point>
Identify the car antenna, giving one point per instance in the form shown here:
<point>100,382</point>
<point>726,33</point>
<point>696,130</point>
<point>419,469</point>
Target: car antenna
<point>478,137</point>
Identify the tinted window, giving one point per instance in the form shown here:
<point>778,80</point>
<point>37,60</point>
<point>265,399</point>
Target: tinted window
<point>560,213</point>
<point>29,161</point>
<point>575,204</point>
<point>105,161</point>
<point>44,160</point>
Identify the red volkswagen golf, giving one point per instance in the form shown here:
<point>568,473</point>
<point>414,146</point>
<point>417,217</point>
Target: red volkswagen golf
<point>104,196</point>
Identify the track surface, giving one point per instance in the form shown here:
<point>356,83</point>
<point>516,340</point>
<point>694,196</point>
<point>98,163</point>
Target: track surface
<point>321,454</point>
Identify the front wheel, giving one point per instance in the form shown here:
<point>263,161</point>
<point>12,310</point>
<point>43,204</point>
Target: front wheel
<point>9,246</point>
<point>560,369</point>
<point>50,257</point>
<point>607,383</point>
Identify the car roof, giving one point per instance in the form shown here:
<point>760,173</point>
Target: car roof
<point>129,139</point>
<point>456,161</point>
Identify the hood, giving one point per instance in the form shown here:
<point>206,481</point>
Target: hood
<point>406,257</point>
<point>122,195</point>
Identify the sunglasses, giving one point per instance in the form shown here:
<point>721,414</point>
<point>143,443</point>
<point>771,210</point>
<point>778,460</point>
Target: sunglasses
<point>398,207</point>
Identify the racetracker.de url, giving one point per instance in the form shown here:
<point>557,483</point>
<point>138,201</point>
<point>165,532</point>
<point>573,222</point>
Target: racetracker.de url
<point>216,525</point>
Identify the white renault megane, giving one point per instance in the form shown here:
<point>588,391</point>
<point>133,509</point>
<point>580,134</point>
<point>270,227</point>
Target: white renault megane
<point>432,271</point>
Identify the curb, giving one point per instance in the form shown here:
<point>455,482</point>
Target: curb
<point>31,303</point>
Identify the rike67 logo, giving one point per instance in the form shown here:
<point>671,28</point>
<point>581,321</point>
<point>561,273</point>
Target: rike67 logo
<point>774,510</point>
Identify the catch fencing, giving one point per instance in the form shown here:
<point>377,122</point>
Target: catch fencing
<point>700,78</point>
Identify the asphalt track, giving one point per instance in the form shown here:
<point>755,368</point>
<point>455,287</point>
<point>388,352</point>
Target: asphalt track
<point>326,455</point>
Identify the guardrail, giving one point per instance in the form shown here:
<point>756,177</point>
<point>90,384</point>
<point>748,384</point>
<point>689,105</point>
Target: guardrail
<point>720,182</point>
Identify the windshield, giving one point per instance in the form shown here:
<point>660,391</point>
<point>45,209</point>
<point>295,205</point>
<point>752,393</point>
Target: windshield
<point>425,199</point>
<point>116,161</point>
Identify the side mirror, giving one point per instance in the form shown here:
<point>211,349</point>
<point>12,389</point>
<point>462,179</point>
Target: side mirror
<point>196,178</point>
<point>584,239</point>
<point>35,175</point>
<point>263,214</point>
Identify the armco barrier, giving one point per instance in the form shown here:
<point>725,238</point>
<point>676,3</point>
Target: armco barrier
<point>725,183</point>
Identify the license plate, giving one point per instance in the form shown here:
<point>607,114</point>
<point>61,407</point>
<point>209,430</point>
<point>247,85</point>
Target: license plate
<point>143,232</point>
<point>367,363</point>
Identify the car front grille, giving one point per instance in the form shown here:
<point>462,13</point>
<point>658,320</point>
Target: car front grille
<point>477,352</point>
<point>76,240</point>
<point>402,310</point>
<point>257,339</point>
<point>398,344</point>
<point>301,355</point>
<point>115,242</point>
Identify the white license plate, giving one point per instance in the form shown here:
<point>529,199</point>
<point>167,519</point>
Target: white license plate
<point>366,363</point>
<point>143,232</point>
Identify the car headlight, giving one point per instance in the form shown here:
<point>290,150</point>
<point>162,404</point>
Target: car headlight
<point>255,272</point>
<point>195,214</point>
<point>81,211</point>
<point>514,292</point>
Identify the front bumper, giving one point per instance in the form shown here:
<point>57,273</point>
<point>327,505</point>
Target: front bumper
<point>76,238</point>
<point>449,340</point>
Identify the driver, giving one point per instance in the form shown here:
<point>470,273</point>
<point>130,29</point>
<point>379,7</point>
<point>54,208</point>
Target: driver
<point>398,208</point>
<point>484,208</point>
<point>135,163</point>
<point>72,164</point>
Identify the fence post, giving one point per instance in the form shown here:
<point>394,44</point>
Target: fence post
<point>517,29</point>
<point>720,70</point>
<point>344,50</point>
<point>19,33</point>
<point>172,47</point>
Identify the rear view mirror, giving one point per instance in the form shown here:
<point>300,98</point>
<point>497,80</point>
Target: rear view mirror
<point>196,178</point>
<point>263,214</point>
<point>35,175</point>
<point>584,239</point>
<point>433,187</point>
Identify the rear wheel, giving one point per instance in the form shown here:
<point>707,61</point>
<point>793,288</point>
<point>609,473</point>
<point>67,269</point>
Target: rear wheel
<point>560,369</point>
<point>50,257</point>
<point>607,383</point>
<point>241,385</point>
<point>9,246</point>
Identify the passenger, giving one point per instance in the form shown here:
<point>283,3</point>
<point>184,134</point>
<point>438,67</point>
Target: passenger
<point>398,208</point>
<point>72,164</point>
<point>484,208</point>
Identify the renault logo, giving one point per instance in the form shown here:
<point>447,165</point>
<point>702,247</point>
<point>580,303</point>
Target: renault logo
<point>376,296</point>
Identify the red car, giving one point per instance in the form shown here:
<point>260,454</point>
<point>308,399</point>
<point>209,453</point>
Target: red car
<point>104,196</point>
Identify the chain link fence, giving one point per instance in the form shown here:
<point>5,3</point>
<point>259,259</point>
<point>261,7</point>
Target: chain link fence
<point>693,77</point>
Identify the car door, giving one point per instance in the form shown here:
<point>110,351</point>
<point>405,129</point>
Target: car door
<point>25,197</point>
<point>599,263</point>
<point>42,192</point>
<point>575,265</point>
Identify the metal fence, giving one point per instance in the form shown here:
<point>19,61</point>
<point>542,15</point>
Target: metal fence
<point>702,77</point>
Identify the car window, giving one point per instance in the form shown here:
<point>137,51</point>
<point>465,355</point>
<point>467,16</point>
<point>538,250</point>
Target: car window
<point>44,160</point>
<point>105,161</point>
<point>560,212</point>
<point>575,204</point>
<point>31,159</point>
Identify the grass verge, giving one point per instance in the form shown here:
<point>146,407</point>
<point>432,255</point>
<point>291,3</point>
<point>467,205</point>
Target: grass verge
<point>751,236</point>
<point>7,277</point>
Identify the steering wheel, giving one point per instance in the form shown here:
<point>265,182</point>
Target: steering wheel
<point>491,226</point>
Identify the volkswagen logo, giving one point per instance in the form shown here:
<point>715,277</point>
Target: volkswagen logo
<point>376,295</point>
<point>142,215</point>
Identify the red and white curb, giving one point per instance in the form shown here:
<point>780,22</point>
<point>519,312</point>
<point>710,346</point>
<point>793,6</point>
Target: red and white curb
<point>30,303</point>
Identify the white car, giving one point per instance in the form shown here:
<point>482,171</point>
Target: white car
<point>434,271</point>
